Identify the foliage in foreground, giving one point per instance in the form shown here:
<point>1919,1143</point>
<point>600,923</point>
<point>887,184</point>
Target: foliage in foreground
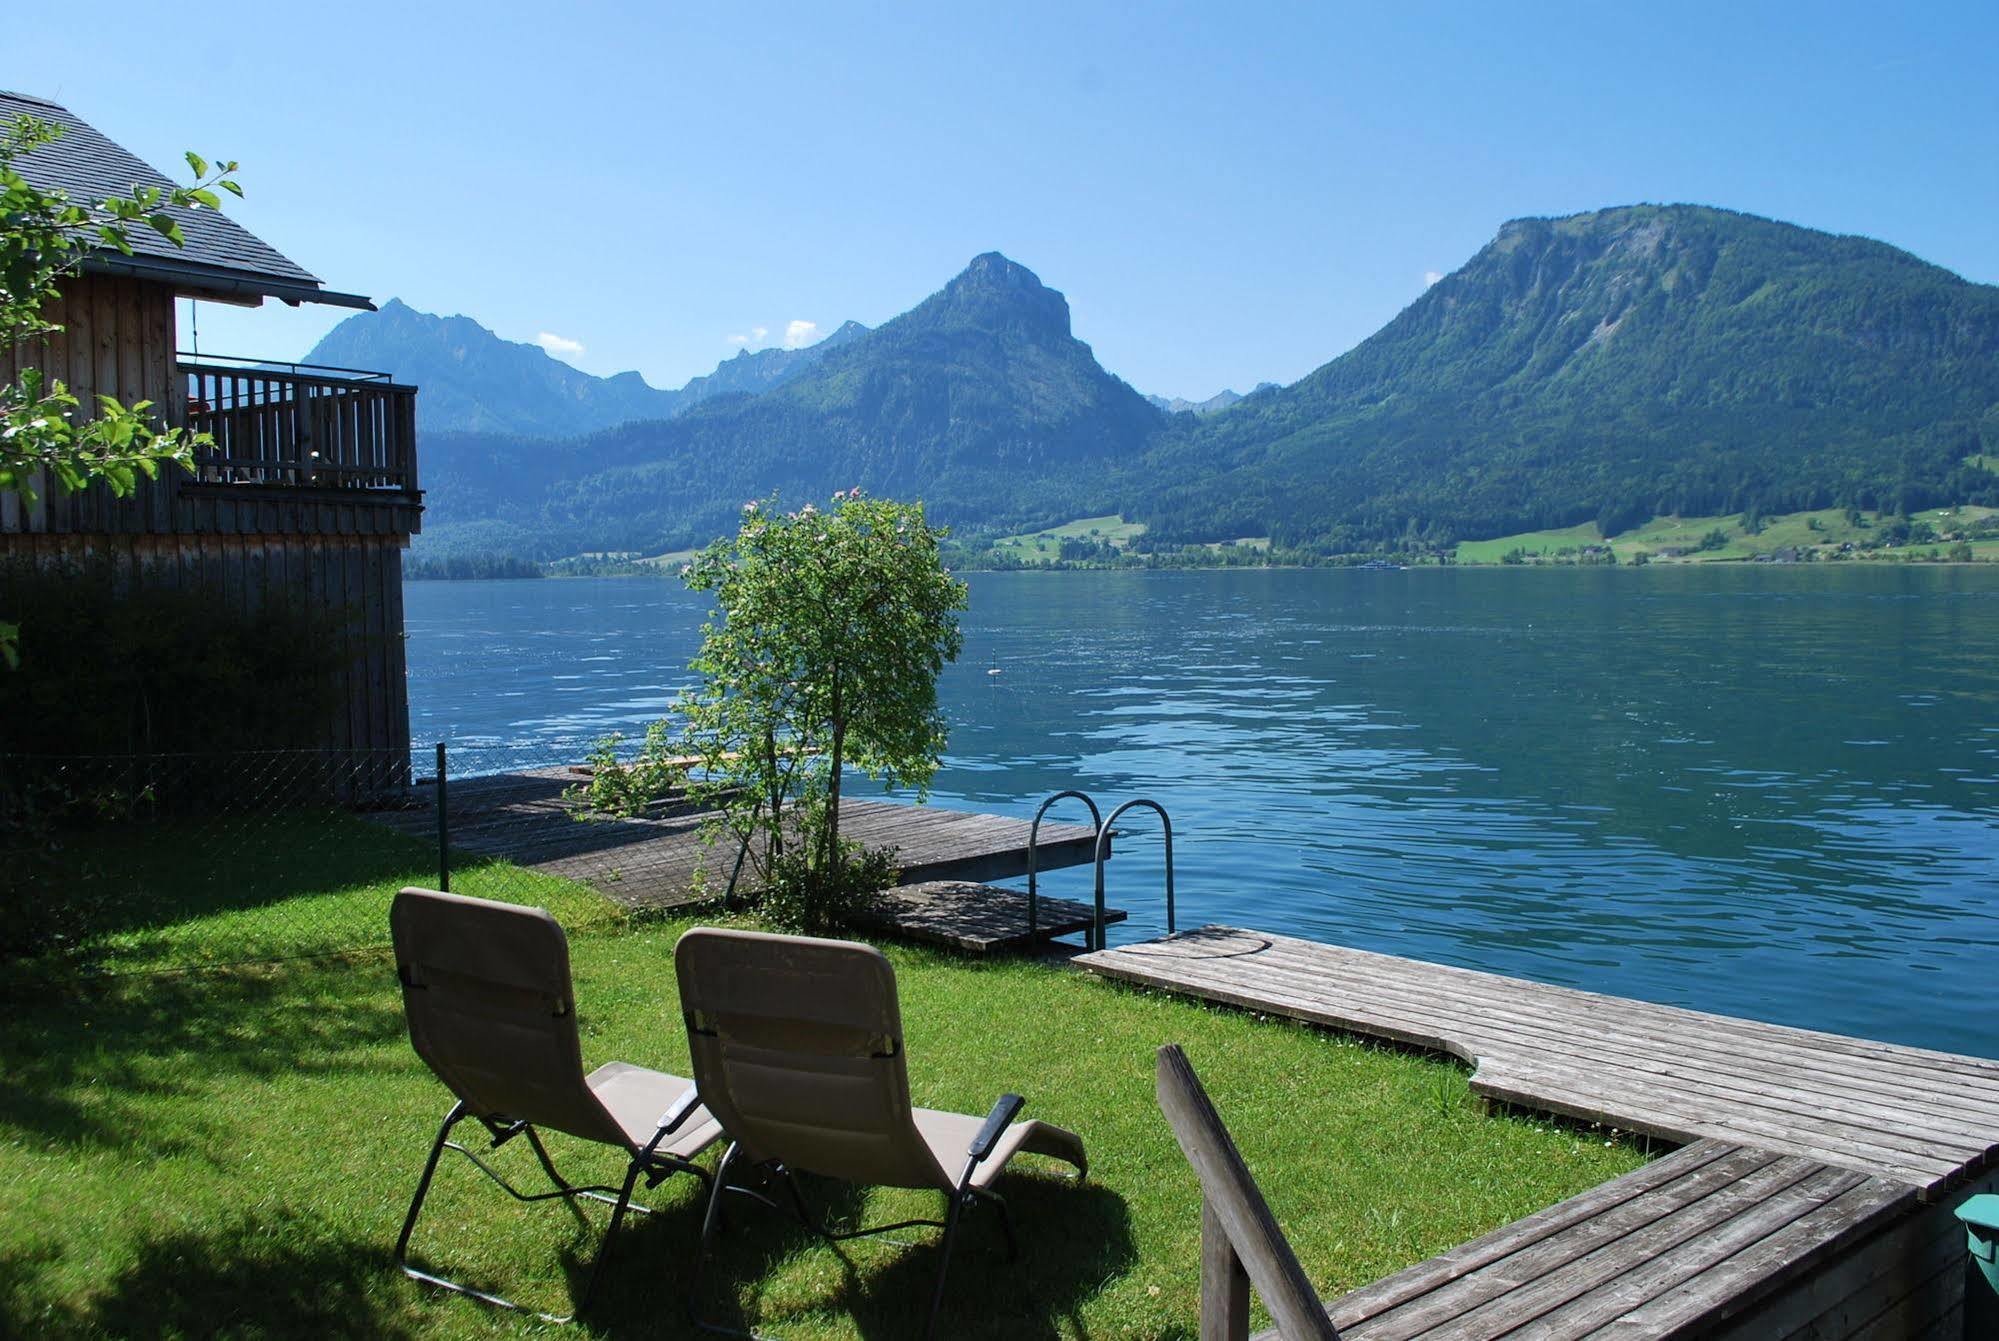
<point>44,236</point>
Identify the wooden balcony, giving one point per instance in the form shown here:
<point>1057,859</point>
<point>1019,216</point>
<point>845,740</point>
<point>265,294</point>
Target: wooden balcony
<point>292,426</point>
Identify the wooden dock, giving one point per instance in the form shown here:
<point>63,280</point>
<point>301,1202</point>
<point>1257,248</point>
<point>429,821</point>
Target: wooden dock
<point>966,915</point>
<point>661,859</point>
<point>1812,1196</point>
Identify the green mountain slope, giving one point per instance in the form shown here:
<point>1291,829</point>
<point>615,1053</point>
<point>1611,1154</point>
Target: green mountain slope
<point>979,400</point>
<point>1610,366</point>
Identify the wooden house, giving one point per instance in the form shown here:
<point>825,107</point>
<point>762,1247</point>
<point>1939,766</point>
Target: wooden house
<point>309,491</point>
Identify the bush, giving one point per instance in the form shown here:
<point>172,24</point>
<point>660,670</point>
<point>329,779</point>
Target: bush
<point>618,787</point>
<point>810,897</point>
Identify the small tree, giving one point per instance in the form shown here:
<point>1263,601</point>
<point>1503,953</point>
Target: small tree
<point>830,629</point>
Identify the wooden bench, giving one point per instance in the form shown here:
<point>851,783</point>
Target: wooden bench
<point>1715,1239</point>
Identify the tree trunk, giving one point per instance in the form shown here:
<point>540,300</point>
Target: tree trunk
<point>831,853</point>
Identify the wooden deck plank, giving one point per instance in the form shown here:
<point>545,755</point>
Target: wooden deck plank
<point>661,859</point>
<point>1545,1274</point>
<point>1700,1059</point>
<point>1689,1082</point>
<point>1924,1118</point>
<point>1377,1299</point>
<point>980,918</point>
<point>1675,1248</point>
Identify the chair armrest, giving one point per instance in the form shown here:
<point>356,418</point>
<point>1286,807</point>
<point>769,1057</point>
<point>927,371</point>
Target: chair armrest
<point>677,1112</point>
<point>997,1122</point>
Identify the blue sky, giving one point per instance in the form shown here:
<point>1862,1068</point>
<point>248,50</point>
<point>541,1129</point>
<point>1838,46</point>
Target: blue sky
<point>1226,193</point>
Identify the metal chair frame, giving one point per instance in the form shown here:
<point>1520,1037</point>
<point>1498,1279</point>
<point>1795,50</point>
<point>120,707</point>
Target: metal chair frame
<point>649,1161</point>
<point>963,1197</point>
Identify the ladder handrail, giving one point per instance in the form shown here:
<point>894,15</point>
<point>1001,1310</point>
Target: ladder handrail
<point>1034,837</point>
<point>1103,853</point>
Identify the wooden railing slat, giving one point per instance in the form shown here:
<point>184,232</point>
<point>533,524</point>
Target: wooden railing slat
<point>300,430</point>
<point>1241,1241</point>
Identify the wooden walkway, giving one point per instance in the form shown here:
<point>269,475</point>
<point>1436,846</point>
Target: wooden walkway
<point>1812,1196</point>
<point>965,915</point>
<point>661,859</point>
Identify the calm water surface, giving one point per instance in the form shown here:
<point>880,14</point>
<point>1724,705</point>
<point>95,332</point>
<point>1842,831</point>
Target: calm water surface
<point>1767,792</point>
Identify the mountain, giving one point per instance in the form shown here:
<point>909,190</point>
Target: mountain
<point>1612,366</point>
<point>1606,367</point>
<point>473,381</point>
<point>752,372</point>
<point>1221,400</point>
<point>979,400</point>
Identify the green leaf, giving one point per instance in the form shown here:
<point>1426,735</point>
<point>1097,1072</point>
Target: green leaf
<point>231,187</point>
<point>166,227</point>
<point>197,163</point>
<point>208,198</point>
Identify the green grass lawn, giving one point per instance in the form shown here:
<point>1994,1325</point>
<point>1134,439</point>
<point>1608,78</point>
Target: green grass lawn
<point>242,887</point>
<point>1047,544</point>
<point>230,1153</point>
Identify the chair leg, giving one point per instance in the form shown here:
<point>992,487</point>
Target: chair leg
<point>1006,1222</point>
<point>951,1218</point>
<point>610,1235</point>
<point>710,1223</point>
<point>451,1120</point>
<point>565,1189</point>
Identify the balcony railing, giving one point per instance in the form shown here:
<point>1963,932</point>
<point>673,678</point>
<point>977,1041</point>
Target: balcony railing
<point>301,427</point>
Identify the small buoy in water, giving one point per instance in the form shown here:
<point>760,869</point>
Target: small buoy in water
<point>996,671</point>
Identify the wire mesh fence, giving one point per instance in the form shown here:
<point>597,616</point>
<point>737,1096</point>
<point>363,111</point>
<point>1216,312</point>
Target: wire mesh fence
<point>146,863</point>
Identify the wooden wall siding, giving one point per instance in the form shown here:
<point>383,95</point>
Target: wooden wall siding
<point>117,339</point>
<point>358,575</point>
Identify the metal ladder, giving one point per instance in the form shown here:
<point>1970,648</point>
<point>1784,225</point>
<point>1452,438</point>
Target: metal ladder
<point>1095,936</point>
<point>1034,837</point>
<point>1103,853</point>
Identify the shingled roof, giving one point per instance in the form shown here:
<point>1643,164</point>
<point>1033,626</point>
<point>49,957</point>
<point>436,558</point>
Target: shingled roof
<point>222,258</point>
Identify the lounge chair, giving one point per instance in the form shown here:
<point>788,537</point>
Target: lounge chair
<point>798,1051</point>
<point>487,992</point>
<point>1241,1242</point>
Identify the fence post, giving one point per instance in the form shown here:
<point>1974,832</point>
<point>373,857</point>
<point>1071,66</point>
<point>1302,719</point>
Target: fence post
<point>443,826</point>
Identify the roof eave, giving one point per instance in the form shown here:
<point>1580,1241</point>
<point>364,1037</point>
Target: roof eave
<point>199,280</point>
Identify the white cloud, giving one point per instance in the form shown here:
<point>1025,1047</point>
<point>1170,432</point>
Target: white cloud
<point>1431,277</point>
<point>798,334</point>
<point>755,337</point>
<point>560,346</point>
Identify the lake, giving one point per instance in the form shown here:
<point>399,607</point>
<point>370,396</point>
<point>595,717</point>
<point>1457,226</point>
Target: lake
<point>1765,791</point>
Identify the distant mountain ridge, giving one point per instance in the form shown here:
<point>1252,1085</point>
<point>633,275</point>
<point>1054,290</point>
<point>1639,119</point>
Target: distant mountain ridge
<point>1221,400</point>
<point>471,380</point>
<point>980,400</point>
<point>1609,366</point>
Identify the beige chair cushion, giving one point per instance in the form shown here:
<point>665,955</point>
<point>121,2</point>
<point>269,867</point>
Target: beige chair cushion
<point>950,1136</point>
<point>636,1098</point>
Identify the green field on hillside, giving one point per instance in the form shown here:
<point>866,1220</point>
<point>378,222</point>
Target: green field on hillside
<point>1032,545</point>
<point>1678,539</point>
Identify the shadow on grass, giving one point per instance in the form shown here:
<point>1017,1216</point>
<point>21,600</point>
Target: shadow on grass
<point>132,884</point>
<point>90,1067</point>
<point>280,1277</point>
<point>1074,1239</point>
